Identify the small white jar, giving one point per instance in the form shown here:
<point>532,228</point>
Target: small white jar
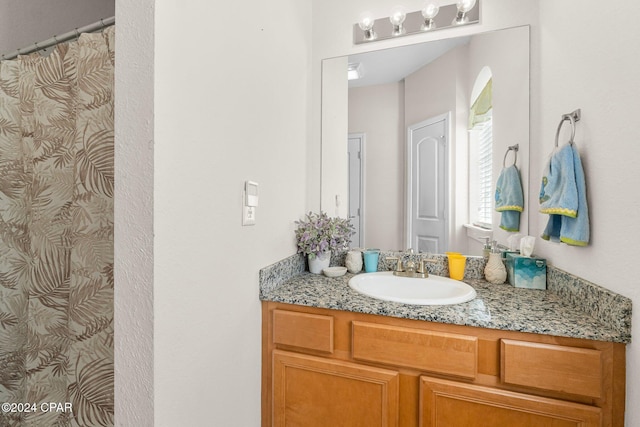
<point>353,261</point>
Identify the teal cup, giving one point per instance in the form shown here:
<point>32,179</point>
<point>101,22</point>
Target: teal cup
<point>371,260</point>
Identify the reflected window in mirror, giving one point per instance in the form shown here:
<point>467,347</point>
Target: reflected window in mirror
<point>481,150</point>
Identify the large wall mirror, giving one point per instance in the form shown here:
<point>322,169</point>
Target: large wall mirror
<point>404,146</point>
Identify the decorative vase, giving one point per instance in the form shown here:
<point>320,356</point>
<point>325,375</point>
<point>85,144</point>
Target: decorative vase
<point>353,261</point>
<point>319,262</point>
<point>494,271</point>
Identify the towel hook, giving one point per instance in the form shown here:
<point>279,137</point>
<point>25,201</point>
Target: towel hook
<point>513,148</point>
<point>572,117</point>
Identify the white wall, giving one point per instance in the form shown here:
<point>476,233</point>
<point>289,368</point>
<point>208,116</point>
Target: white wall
<point>225,105</point>
<point>378,112</point>
<point>335,173</point>
<point>133,292</point>
<point>231,104</point>
<point>592,62</point>
<point>581,57</point>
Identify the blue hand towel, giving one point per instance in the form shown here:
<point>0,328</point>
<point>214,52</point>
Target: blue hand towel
<point>563,195</point>
<point>509,198</point>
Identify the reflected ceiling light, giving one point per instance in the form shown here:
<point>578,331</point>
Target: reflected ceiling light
<point>354,71</point>
<point>365,23</point>
<point>434,15</point>
<point>429,11</point>
<point>464,6</point>
<point>397,17</point>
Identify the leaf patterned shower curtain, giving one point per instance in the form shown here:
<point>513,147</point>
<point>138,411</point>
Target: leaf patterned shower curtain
<point>56,235</point>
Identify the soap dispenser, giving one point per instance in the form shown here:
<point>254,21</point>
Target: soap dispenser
<point>486,249</point>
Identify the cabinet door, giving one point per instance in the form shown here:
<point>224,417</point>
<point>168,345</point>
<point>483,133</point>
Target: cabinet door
<point>311,391</point>
<point>450,404</point>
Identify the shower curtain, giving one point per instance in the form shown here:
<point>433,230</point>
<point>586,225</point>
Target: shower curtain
<point>56,235</point>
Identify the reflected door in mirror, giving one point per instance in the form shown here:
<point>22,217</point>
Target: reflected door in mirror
<point>356,190</point>
<point>427,176</point>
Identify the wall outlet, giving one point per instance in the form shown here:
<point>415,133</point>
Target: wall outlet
<point>248,215</point>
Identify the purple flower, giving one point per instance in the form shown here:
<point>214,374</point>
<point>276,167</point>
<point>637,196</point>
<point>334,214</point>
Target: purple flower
<point>319,233</point>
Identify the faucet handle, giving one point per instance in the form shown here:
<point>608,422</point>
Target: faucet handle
<point>422,268</point>
<point>398,262</point>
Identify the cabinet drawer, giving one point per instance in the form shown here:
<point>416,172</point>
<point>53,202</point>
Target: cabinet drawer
<point>430,351</point>
<point>302,330</point>
<point>552,367</point>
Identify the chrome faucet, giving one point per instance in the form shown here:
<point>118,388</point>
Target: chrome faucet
<point>408,267</point>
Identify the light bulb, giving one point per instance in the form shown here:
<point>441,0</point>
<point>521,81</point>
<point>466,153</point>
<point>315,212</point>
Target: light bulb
<point>463,6</point>
<point>429,11</point>
<point>398,14</point>
<point>365,23</point>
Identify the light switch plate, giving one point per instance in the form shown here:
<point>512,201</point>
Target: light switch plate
<point>251,193</point>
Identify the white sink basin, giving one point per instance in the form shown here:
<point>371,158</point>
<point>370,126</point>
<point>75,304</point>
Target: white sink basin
<point>434,290</point>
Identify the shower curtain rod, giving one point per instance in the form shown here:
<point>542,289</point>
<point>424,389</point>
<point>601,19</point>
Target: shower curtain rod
<point>60,39</point>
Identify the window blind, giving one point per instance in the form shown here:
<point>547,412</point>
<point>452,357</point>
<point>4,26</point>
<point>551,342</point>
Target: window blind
<point>485,171</point>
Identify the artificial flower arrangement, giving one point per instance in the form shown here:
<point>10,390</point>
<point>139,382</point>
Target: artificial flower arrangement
<point>319,233</point>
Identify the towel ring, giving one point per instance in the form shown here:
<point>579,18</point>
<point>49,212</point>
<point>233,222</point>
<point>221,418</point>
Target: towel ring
<point>515,149</point>
<point>572,117</point>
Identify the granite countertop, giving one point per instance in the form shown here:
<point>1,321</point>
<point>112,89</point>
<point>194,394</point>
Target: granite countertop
<point>501,307</point>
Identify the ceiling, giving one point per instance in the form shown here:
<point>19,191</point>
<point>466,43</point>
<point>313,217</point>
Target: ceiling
<point>394,64</point>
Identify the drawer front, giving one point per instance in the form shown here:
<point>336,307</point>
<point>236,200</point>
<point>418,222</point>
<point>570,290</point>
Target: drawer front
<point>430,351</point>
<point>302,330</point>
<point>552,367</point>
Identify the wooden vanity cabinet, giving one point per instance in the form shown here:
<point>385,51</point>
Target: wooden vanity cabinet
<point>333,368</point>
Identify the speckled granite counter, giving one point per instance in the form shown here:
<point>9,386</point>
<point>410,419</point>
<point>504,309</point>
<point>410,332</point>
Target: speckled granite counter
<point>586,311</point>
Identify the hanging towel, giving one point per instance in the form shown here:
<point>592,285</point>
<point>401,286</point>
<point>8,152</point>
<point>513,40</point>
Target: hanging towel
<point>563,195</point>
<point>509,198</point>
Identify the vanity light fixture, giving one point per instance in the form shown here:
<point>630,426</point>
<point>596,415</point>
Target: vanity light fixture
<point>464,6</point>
<point>354,71</point>
<point>434,15</point>
<point>429,12</point>
<point>397,17</point>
